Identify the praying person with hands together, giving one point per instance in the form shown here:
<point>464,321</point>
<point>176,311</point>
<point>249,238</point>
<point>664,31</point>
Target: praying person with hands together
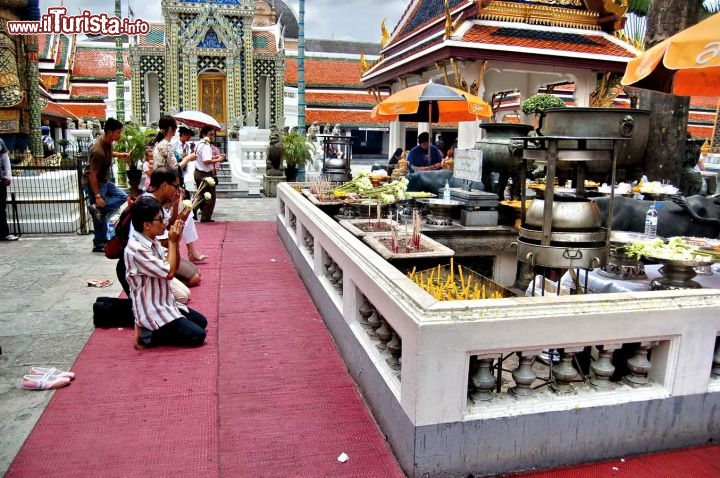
<point>159,318</point>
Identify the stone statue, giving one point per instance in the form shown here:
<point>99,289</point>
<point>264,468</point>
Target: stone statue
<point>81,124</point>
<point>273,162</point>
<point>250,118</point>
<point>691,181</point>
<point>234,132</point>
<point>336,130</point>
<point>313,131</point>
<point>70,123</point>
<point>327,129</point>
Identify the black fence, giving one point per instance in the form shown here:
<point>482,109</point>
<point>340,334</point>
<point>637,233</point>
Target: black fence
<point>46,195</point>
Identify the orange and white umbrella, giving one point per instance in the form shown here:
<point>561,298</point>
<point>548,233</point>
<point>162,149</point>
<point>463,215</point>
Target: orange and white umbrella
<point>686,64</point>
<point>431,103</point>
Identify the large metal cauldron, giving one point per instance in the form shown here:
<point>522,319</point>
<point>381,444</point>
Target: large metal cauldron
<point>501,154</point>
<point>598,122</point>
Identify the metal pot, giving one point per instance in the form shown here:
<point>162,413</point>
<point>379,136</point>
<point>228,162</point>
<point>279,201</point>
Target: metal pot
<point>500,153</point>
<point>609,122</point>
<point>568,214</point>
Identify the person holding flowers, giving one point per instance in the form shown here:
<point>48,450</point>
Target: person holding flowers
<point>159,318</point>
<point>205,168</point>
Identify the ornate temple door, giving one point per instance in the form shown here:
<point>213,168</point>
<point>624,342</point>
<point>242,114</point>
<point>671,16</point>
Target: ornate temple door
<point>211,97</point>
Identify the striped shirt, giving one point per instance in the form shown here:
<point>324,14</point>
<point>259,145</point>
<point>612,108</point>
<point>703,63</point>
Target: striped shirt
<point>153,302</point>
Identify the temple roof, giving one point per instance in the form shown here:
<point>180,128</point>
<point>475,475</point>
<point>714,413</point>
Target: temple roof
<point>325,72</point>
<point>85,110</point>
<point>53,83</point>
<point>154,38</point>
<point>361,99</point>
<point>89,92</point>
<point>343,117</point>
<point>507,41</point>
<point>263,42</point>
<point>97,63</point>
<point>57,110</point>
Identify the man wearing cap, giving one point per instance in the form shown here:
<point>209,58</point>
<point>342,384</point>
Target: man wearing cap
<point>47,142</point>
<point>424,156</point>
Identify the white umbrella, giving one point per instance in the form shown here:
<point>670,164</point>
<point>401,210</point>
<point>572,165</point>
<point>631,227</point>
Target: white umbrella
<point>196,119</point>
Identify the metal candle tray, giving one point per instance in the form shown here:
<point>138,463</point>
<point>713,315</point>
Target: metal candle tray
<point>474,199</point>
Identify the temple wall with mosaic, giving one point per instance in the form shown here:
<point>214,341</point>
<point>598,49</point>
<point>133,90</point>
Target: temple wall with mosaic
<point>212,57</point>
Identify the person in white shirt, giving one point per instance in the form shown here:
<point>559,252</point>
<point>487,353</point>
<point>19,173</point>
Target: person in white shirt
<point>205,167</point>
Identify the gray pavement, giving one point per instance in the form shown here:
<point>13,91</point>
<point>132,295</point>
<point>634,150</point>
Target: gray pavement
<point>46,311</point>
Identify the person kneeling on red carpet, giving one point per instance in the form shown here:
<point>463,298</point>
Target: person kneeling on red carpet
<point>159,318</point>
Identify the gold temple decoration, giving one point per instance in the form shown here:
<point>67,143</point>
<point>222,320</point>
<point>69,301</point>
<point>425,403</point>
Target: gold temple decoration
<point>442,68</point>
<point>541,14</point>
<point>705,149</point>
<point>618,8</point>
<point>607,89</point>
<point>384,34</point>
<point>450,25</point>
<point>363,64</point>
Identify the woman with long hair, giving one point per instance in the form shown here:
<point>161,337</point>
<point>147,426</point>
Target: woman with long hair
<point>164,155</point>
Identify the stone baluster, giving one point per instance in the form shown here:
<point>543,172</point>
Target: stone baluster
<point>338,279</point>
<point>602,368</point>
<point>394,348</point>
<point>293,221</point>
<point>330,271</point>
<point>639,366</point>
<point>375,321</point>
<point>524,375</point>
<point>565,373</point>
<point>282,208</point>
<point>365,311</point>
<point>384,334</point>
<point>309,242</point>
<point>716,358</point>
<point>483,380</point>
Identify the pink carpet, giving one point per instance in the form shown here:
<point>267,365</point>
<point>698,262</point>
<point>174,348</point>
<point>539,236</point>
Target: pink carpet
<point>267,395</point>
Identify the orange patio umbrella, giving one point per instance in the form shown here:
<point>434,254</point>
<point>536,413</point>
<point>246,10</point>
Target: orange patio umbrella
<point>430,103</point>
<point>686,64</point>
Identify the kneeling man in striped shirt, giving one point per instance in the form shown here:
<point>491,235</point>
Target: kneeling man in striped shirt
<point>159,318</point>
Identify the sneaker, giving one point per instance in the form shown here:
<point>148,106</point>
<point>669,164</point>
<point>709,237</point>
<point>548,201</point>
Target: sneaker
<point>100,248</point>
<point>95,213</point>
<point>10,237</point>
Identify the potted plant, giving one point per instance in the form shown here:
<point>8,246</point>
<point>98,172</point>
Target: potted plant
<point>134,139</point>
<point>538,104</point>
<point>297,152</point>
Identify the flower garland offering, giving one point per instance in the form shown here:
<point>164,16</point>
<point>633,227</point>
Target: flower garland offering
<point>199,196</point>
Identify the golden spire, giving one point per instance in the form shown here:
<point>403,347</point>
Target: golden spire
<point>363,63</point>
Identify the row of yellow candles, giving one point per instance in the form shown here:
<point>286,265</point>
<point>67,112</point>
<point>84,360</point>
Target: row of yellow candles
<point>447,288</point>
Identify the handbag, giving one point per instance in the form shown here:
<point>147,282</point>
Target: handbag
<point>113,312</point>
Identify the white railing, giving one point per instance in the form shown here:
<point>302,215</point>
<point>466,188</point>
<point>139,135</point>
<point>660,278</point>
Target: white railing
<point>441,340</point>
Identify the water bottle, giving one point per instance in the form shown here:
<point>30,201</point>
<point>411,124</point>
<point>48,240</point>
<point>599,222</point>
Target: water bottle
<point>446,192</point>
<point>110,230</point>
<point>651,221</point>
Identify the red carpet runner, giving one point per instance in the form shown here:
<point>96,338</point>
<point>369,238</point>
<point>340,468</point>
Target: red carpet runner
<point>267,395</point>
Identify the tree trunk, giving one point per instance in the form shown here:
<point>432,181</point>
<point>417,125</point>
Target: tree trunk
<point>669,114</point>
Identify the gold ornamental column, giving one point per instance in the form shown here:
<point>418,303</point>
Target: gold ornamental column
<point>191,84</point>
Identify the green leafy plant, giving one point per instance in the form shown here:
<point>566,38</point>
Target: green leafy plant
<point>539,103</point>
<point>297,150</point>
<point>134,139</point>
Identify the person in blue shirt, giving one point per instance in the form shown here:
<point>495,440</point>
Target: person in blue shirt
<point>424,156</point>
